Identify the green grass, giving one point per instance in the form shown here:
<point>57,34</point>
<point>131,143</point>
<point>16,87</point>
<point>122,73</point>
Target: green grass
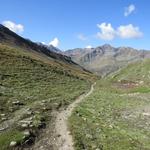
<point>8,136</point>
<point>30,78</point>
<point>113,117</point>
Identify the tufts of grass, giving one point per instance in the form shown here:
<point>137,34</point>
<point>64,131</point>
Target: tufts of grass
<point>116,115</point>
<point>31,78</point>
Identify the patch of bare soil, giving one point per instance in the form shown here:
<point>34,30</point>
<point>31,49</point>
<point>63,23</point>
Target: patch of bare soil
<point>125,84</point>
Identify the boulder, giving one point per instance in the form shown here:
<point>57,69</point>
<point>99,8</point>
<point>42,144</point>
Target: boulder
<point>24,125</point>
<point>2,115</point>
<point>17,103</point>
<point>13,143</point>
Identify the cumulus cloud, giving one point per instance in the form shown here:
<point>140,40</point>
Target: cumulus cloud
<point>88,46</point>
<point>128,10</point>
<point>129,31</point>
<point>18,28</point>
<point>55,42</point>
<point>107,32</point>
<point>82,37</point>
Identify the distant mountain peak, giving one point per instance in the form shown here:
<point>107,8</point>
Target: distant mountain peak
<point>50,47</point>
<point>106,59</point>
<point>106,45</point>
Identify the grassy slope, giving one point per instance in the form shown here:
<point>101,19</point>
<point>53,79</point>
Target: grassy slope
<point>116,115</point>
<point>31,78</point>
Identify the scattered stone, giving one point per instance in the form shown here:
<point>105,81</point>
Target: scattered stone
<point>13,143</point>
<point>44,108</point>
<point>37,112</point>
<point>17,103</point>
<point>31,125</point>
<point>146,114</point>
<point>11,109</point>
<point>2,129</point>
<point>84,119</point>
<point>26,121</point>
<point>30,113</point>
<point>3,119</point>
<point>28,109</point>
<point>26,133</point>
<point>24,125</point>
<point>141,82</point>
<point>43,101</point>
<point>2,115</point>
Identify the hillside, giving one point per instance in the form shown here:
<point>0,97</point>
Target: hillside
<point>116,115</point>
<point>105,59</point>
<point>34,83</point>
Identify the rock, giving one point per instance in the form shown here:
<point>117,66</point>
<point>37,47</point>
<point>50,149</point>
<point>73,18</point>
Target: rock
<point>2,115</point>
<point>2,129</point>
<point>31,125</point>
<point>11,109</point>
<point>28,109</point>
<point>146,114</point>
<point>26,121</point>
<point>84,119</point>
<point>3,119</point>
<point>24,125</point>
<point>30,113</point>
<point>17,103</point>
<point>37,112</point>
<point>26,133</point>
<point>13,143</point>
<point>31,118</point>
<point>43,101</point>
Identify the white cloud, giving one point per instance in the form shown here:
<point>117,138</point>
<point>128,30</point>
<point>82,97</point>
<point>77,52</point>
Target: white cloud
<point>128,10</point>
<point>129,31</point>
<point>88,46</point>
<point>18,28</point>
<point>43,43</point>
<point>107,31</point>
<point>82,37</point>
<point>123,31</point>
<point>55,42</point>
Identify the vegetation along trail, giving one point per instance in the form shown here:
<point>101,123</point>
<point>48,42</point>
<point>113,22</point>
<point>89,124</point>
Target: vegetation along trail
<point>65,141</point>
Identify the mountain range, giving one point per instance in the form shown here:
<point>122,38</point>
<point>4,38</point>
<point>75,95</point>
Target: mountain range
<point>101,60</point>
<point>38,82</point>
<point>105,59</point>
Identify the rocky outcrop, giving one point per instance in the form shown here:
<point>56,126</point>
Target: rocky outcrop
<point>106,59</point>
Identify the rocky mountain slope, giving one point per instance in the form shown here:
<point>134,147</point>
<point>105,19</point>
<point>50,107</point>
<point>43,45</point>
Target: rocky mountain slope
<point>106,59</point>
<point>12,39</point>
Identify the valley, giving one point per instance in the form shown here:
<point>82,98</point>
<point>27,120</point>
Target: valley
<point>48,101</point>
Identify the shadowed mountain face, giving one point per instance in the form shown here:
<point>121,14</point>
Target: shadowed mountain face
<point>105,59</point>
<point>47,54</point>
<point>10,38</point>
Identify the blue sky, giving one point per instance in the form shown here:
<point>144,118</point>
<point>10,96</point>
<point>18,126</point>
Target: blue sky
<point>80,23</point>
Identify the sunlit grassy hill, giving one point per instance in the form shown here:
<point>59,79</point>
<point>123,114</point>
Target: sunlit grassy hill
<point>116,115</point>
<point>33,84</point>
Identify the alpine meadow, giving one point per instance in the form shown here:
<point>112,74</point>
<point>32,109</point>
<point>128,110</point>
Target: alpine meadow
<point>74,75</point>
